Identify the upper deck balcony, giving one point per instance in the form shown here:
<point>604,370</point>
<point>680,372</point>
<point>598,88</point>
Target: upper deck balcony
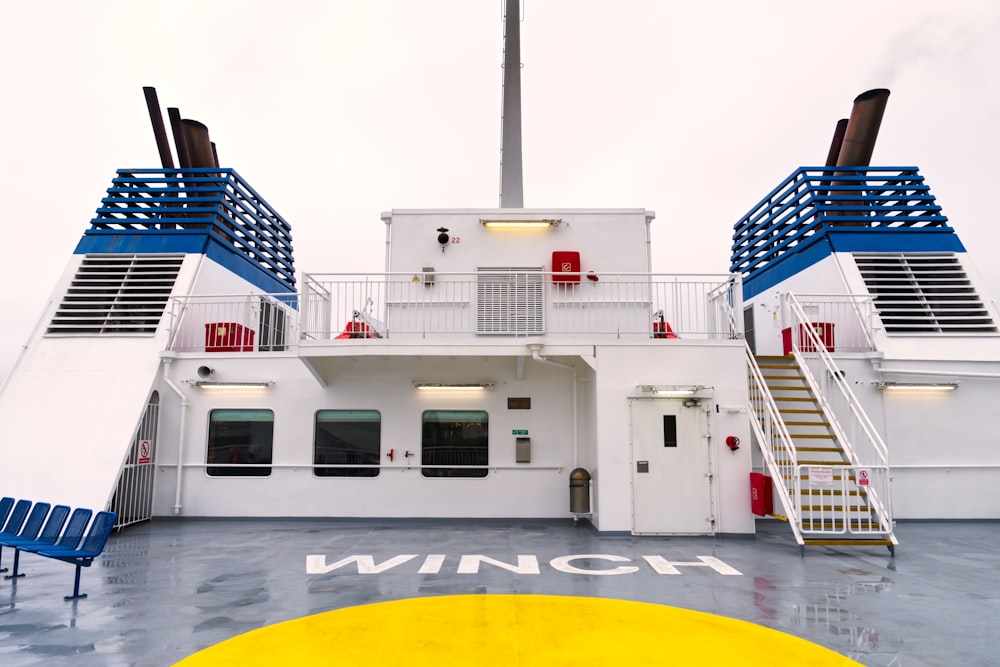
<point>486,307</point>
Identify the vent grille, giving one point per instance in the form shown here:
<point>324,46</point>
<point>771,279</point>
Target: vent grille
<point>117,294</point>
<point>923,293</point>
<point>510,301</point>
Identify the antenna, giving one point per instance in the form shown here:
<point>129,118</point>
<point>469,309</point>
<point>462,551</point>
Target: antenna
<point>511,178</point>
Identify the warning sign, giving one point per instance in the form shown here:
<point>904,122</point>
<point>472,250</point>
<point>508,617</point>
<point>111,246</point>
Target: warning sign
<point>821,476</point>
<point>863,476</point>
<point>144,452</point>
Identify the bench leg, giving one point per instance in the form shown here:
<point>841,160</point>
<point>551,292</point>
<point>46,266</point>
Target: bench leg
<point>15,574</point>
<point>2,569</point>
<point>76,587</point>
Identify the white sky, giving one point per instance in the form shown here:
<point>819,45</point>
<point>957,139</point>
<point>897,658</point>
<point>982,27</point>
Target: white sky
<point>337,110</point>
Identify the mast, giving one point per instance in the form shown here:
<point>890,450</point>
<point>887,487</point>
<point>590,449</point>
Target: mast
<point>511,178</point>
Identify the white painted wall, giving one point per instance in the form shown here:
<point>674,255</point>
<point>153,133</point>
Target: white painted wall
<point>382,383</point>
<point>620,368</point>
<point>609,240</point>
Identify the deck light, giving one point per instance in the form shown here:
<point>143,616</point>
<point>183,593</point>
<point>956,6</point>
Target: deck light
<point>520,224</point>
<point>917,386</point>
<point>442,386</point>
<point>232,385</point>
<point>668,391</point>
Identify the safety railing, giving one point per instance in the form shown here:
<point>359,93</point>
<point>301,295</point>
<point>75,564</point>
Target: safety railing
<point>519,304</point>
<point>484,306</point>
<point>234,323</point>
<point>862,445</point>
<point>843,500</point>
<point>846,322</point>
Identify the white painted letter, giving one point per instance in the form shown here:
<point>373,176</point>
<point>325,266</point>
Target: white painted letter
<point>432,564</point>
<point>525,564</point>
<point>663,566</point>
<point>562,564</point>
<point>366,564</point>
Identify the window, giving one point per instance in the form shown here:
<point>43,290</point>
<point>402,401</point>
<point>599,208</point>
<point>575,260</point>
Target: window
<point>455,438</point>
<point>240,437</point>
<point>349,437</point>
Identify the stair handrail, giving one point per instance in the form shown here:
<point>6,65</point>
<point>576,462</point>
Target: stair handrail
<point>770,430</point>
<point>854,411</point>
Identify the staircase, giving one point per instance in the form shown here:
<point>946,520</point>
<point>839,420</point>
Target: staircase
<point>830,495</point>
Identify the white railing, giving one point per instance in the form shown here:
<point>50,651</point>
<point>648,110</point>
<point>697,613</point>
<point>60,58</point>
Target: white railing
<point>843,500</point>
<point>854,431</point>
<point>848,320</point>
<point>481,306</point>
<point>515,303</point>
<point>234,323</point>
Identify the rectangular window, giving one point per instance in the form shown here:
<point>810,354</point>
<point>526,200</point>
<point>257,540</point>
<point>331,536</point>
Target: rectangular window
<point>669,430</point>
<point>347,437</point>
<point>455,438</point>
<point>241,440</point>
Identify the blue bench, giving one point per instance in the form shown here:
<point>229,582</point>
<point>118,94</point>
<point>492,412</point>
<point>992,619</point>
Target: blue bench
<point>87,551</point>
<point>30,537</point>
<point>24,531</point>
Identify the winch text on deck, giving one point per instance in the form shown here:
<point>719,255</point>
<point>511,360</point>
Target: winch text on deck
<point>590,564</point>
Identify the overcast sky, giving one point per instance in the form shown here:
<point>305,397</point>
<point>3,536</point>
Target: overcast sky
<point>337,110</point>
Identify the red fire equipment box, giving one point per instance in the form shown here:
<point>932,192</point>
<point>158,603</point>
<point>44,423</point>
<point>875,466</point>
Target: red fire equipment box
<point>761,498</point>
<point>565,266</point>
<point>228,337</point>
<point>824,331</point>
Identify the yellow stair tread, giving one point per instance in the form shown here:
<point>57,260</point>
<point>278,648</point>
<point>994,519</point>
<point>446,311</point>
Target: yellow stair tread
<point>826,542</point>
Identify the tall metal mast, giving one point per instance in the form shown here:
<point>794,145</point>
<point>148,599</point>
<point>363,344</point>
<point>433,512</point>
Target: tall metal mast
<point>511,178</point>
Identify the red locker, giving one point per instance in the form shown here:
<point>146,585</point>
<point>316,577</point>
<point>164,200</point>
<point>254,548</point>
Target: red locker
<point>824,331</point>
<point>761,494</point>
<point>228,337</point>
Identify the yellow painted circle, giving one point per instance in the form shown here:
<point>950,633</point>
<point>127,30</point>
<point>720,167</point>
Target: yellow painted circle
<point>523,630</point>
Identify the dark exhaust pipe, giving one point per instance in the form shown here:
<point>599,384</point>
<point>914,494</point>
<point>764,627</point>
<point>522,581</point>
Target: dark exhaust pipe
<point>862,128</point>
<point>856,150</point>
<point>836,143</point>
<point>159,130</point>
<point>199,146</point>
<point>177,126</point>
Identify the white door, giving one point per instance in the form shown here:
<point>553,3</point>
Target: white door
<point>671,480</point>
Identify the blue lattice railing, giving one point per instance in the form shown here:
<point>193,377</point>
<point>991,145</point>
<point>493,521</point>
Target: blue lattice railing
<point>215,203</point>
<point>815,200</point>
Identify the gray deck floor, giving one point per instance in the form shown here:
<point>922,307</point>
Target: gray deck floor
<point>165,589</point>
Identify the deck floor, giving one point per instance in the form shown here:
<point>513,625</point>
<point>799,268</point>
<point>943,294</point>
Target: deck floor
<point>168,588</point>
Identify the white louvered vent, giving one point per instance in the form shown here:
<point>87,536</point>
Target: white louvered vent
<point>510,301</point>
<point>117,294</point>
<point>923,293</point>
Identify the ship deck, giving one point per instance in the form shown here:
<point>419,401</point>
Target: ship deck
<point>166,589</point>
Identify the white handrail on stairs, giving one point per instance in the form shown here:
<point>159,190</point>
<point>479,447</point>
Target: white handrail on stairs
<point>851,425</point>
<point>776,445</point>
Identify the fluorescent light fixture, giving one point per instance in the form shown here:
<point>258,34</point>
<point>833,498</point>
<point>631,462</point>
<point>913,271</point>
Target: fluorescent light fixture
<point>443,386</point>
<point>668,391</point>
<point>917,386</point>
<point>232,385</point>
<point>520,224</point>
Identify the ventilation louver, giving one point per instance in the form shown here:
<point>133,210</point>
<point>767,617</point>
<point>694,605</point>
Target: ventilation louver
<point>117,294</point>
<point>923,293</point>
<point>510,301</point>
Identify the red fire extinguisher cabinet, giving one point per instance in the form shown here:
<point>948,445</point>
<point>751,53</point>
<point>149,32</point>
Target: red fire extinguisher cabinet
<point>761,494</point>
